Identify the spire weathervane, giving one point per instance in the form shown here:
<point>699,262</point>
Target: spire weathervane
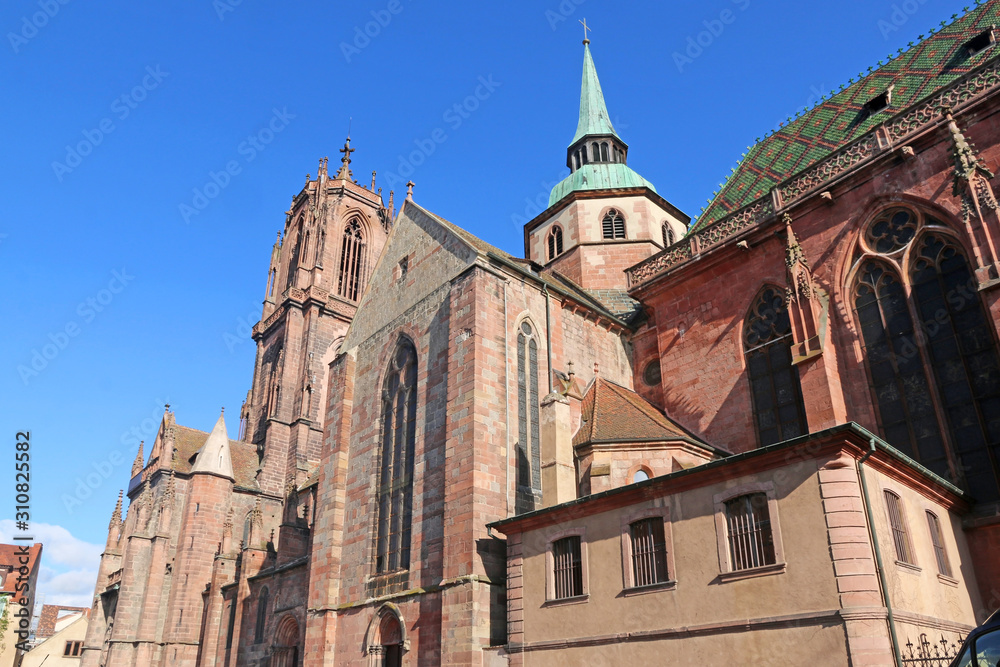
<point>586,39</point>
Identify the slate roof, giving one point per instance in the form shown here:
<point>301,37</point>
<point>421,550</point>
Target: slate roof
<point>244,455</point>
<point>916,73</point>
<point>9,560</point>
<point>612,413</point>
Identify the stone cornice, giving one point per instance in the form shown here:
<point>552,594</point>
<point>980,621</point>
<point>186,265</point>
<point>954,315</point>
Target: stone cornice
<point>883,140</point>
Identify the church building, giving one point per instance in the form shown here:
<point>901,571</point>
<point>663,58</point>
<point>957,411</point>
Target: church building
<point>767,436</point>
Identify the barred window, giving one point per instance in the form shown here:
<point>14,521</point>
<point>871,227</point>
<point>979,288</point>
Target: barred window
<point>73,649</point>
<point>394,503</point>
<point>529,482</point>
<point>568,570</point>
<point>613,226</point>
<point>262,600</point>
<point>779,412</point>
<point>555,242</point>
<point>352,261</point>
<point>897,522</point>
<point>649,552</point>
<point>937,539</point>
<point>748,524</point>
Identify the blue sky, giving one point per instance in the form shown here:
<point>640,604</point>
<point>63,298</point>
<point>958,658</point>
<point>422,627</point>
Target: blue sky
<point>139,214</point>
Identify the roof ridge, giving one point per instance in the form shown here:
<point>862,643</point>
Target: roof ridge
<point>629,393</point>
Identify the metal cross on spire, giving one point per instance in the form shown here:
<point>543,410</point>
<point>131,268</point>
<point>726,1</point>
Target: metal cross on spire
<point>586,40</point>
<point>345,162</point>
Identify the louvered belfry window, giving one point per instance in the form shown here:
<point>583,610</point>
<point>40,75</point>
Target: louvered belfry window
<point>352,262</point>
<point>748,527</point>
<point>779,412</point>
<point>394,502</point>
<point>568,567</point>
<point>555,242</point>
<point>529,482</point>
<point>897,522</point>
<point>930,349</point>
<point>613,226</point>
<point>649,552</point>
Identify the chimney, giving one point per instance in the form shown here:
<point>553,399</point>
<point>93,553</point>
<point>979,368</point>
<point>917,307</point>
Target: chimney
<point>558,471</point>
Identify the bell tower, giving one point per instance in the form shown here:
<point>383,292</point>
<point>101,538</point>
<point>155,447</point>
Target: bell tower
<point>603,217</point>
<point>320,265</point>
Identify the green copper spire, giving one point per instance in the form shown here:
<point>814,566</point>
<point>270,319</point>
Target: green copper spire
<point>594,118</point>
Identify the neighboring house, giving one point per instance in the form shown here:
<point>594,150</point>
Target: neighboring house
<point>18,584</point>
<point>62,648</point>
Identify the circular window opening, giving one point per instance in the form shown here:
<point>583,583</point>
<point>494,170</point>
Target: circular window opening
<point>651,374</point>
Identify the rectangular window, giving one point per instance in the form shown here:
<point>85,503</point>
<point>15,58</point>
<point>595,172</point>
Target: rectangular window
<point>73,649</point>
<point>897,521</point>
<point>649,552</point>
<point>748,524</point>
<point>944,567</point>
<point>568,572</point>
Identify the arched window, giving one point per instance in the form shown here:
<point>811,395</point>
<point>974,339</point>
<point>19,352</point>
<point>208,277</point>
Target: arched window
<point>529,483</point>
<point>929,348</point>
<point>394,502</point>
<point>262,600</point>
<point>613,226</point>
<point>774,382</point>
<point>596,148</point>
<point>583,153</point>
<point>604,152</point>
<point>668,235</point>
<point>555,242</point>
<point>272,279</point>
<point>576,157</point>
<point>352,261</point>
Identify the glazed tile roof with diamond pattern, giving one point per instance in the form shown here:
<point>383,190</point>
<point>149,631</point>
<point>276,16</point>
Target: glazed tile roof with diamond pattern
<point>916,73</point>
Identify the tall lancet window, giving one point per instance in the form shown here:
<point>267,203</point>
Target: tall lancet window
<point>778,409</point>
<point>930,350</point>
<point>394,502</point>
<point>555,242</point>
<point>352,261</point>
<point>529,482</point>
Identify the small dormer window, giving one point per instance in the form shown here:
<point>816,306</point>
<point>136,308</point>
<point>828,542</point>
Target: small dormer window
<point>879,102</point>
<point>980,42</point>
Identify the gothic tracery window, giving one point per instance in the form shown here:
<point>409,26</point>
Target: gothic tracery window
<point>394,502</point>
<point>668,235</point>
<point>930,350</point>
<point>779,413</point>
<point>529,482</point>
<point>555,242</point>
<point>352,261</point>
<point>613,225</point>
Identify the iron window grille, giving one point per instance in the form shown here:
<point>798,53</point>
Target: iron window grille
<point>568,567</point>
<point>649,552</point>
<point>897,523</point>
<point>937,539</point>
<point>748,527</point>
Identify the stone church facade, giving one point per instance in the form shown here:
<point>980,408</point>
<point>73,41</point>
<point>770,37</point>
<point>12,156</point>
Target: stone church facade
<point>648,434</point>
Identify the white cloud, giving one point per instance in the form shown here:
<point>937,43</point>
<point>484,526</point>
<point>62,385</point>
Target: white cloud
<point>68,572</point>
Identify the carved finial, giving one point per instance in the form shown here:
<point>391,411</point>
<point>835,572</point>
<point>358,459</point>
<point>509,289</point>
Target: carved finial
<point>137,464</point>
<point>391,204</point>
<point>597,368</point>
<point>345,162</point>
<point>166,407</point>
<point>372,188</point>
<point>116,516</point>
<point>971,176</point>
<point>409,190</point>
<point>571,373</point>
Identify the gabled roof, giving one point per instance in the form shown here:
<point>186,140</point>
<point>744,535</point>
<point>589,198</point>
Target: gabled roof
<point>243,455</point>
<point>612,413</point>
<point>916,73</point>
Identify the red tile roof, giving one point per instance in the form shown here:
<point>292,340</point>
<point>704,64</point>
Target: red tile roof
<point>10,561</point>
<point>244,455</point>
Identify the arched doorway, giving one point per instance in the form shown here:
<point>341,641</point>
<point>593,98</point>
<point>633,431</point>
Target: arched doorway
<point>285,652</point>
<point>386,641</point>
